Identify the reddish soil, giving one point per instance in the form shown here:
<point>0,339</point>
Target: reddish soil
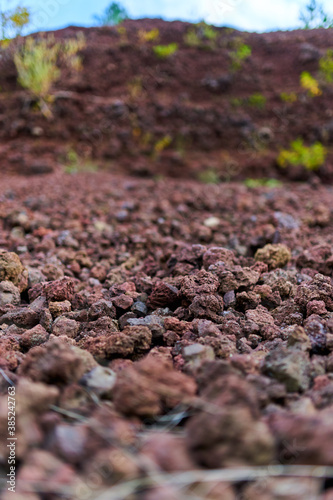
<point>165,338</point>
<point>126,99</point>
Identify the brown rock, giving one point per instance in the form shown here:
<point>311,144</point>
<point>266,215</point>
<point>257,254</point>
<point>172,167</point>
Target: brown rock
<point>274,255</point>
<point>11,269</point>
<point>56,363</point>
<point>34,337</point>
<point>135,394</point>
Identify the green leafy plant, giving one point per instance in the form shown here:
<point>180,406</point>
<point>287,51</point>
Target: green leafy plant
<point>148,36</point>
<point>209,176</point>
<point>326,66</point>
<point>314,16</point>
<point>74,164</point>
<point>257,101</point>
<point>236,102</point>
<point>309,157</point>
<point>12,23</point>
<point>114,14</point>
<point>239,55</point>
<point>209,32</point>
<point>264,182</point>
<point>309,83</point>
<point>37,61</point>
<point>288,97</point>
<point>165,51</point>
<point>191,38</point>
<point>161,145</point>
<point>198,36</point>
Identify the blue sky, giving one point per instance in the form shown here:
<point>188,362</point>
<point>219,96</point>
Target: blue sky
<point>251,15</point>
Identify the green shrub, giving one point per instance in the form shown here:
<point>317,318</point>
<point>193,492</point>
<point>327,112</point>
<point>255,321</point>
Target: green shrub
<point>288,97</point>
<point>309,83</point>
<point>74,164</point>
<point>209,176</point>
<point>326,66</point>
<point>236,102</point>
<point>165,51</point>
<point>114,14</point>
<point>309,157</point>
<point>257,101</point>
<point>191,38</point>
<point>12,23</point>
<point>254,100</point>
<point>148,36</point>
<point>200,34</point>
<point>256,183</point>
<point>239,55</point>
<point>37,65</point>
<point>208,31</point>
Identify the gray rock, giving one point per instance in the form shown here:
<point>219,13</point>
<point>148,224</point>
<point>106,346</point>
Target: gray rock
<point>289,366</point>
<point>9,294</point>
<point>100,380</point>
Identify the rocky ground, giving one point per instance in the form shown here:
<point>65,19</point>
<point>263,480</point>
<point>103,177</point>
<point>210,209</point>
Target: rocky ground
<point>166,338</point>
<point>155,339</point>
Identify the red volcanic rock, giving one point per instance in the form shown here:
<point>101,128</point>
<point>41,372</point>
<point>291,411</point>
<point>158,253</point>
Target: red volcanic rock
<point>145,387</point>
<point>163,295</point>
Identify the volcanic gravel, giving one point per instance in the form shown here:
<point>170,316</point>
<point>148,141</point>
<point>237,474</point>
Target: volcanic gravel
<point>153,328</point>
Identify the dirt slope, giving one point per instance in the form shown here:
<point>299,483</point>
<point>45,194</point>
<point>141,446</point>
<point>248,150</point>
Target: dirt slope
<point>126,100</point>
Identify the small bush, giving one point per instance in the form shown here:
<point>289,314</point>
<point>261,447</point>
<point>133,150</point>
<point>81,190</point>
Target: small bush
<point>326,66</point>
<point>37,65</point>
<point>148,36</point>
<point>165,51</point>
<point>161,145</point>
<point>239,55</point>
<point>309,157</point>
<point>288,97</point>
<point>74,164</point>
<point>200,34</point>
<point>209,32</point>
<point>257,101</point>
<point>236,102</point>
<point>209,176</point>
<point>256,183</point>
<point>309,83</point>
<point>191,38</point>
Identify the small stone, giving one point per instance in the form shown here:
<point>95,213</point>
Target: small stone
<point>316,307</point>
<point>163,294</point>
<point>274,256</point>
<point>59,290</point>
<point>212,222</point>
<point>291,367</point>
<point>196,354</point>
<point>65,326</point>
<point>56,363</point>
<point>33,337</point>
<point>229,299</point>
<point>9,294</point>
<point>139,308</point>
<point>102,308</point>
<point>123,302</point>
<point>59,308</point>
<point>100,380</point>
<point>11,269</point>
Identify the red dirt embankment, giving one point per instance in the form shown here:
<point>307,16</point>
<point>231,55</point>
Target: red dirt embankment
<point>126,100</point>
